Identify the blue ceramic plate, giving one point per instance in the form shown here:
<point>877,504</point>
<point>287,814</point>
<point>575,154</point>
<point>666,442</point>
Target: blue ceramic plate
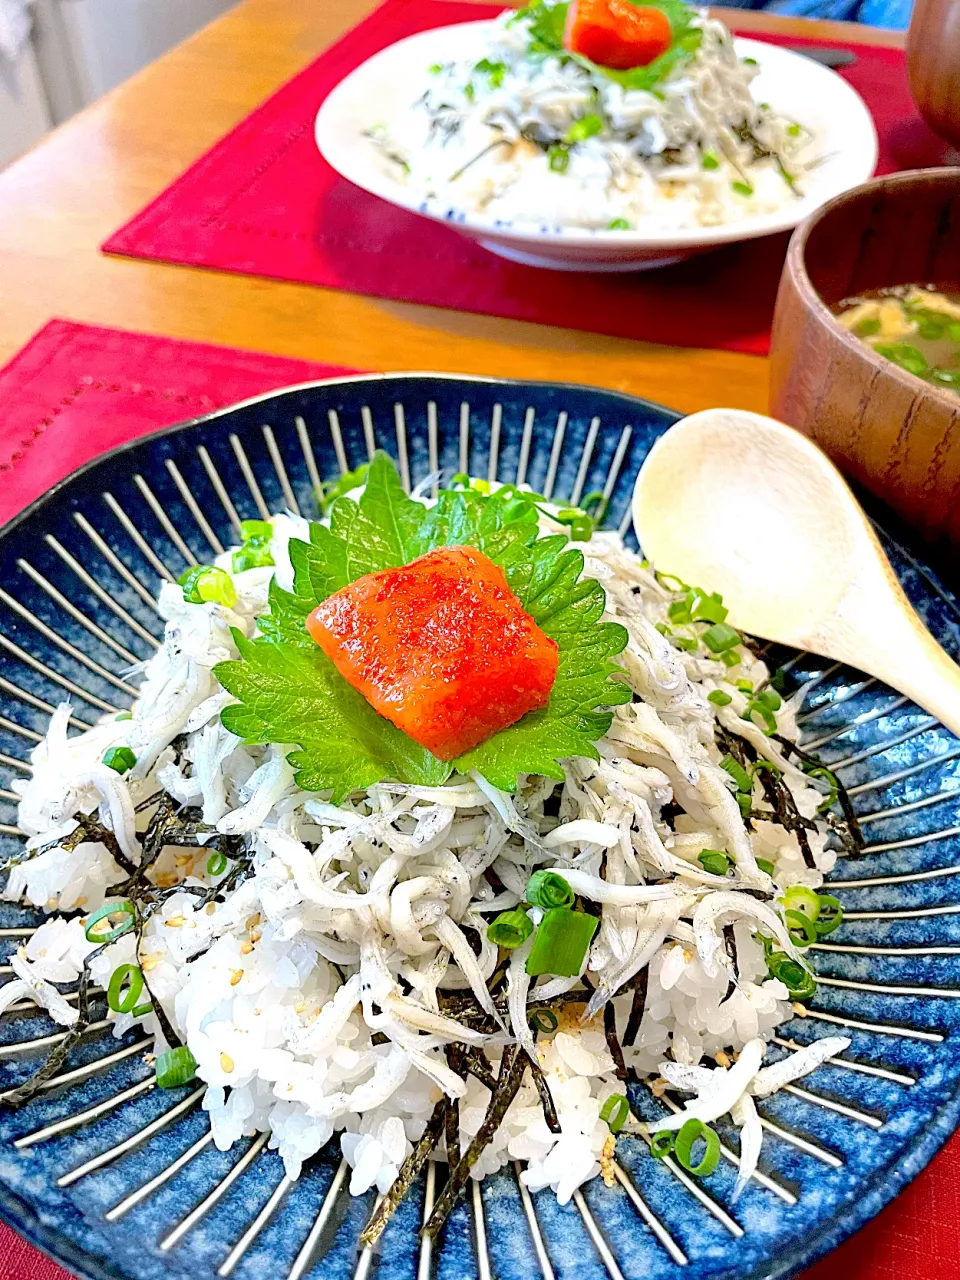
<point>117,1179</point>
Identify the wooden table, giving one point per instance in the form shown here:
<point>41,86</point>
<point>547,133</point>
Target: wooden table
<point>59,202</point>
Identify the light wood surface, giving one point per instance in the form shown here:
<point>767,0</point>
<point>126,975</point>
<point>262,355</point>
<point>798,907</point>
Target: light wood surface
<point>59,202</point>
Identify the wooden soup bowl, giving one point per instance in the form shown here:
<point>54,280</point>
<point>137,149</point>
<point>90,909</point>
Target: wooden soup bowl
<point>894,433</point>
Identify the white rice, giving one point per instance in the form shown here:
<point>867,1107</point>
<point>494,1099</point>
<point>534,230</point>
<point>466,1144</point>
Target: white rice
<point>279,989</point>
<point>468,145</point>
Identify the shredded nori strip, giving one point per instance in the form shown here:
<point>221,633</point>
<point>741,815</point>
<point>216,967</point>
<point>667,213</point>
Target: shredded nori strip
<point>513,1065</point>
<point>405,1177</point>
<point>475,1064</point>
<point>547,1105</point>
<point>58,1055</point>
<point>848,830</point>
<point>632,1029</point>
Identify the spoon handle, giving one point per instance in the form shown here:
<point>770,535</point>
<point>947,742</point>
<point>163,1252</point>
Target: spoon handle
<point>905,655</point>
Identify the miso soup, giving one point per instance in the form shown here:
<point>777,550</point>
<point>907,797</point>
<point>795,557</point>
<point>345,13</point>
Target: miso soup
<point>917,327</point>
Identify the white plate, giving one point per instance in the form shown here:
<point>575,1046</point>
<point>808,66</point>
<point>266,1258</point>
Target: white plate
<point>385,86</point>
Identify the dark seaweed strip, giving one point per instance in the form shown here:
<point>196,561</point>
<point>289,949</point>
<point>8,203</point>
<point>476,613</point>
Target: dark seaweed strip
<point>148,803</point>
<point>547,1105</point>
<point>513,1065</point>
<point>852,838</point>
<point>613,1044</point>
<point>452,1106</point>
<point>86,831</point>
<point>58,1055</point>
<point>636,1009</point>
<point>406,1176</point>
<point>610,1033</point>
<point>476,1065</point>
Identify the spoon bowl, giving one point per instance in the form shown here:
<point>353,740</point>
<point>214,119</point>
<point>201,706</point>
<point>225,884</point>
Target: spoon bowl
<point>741,504</point>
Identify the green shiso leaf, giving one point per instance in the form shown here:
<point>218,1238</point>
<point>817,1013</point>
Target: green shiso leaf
<point>547,22</point>
<point>290,693</point>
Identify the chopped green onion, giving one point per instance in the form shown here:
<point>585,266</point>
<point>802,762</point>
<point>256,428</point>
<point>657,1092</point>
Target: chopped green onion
<point>547,889</point>
<point>749,62</point>
<point>435,69</point>
<point>586,127</point>
<point>510,929</point>
<point>330,490</point>
<point>561,943</point>
<point>578,522</point>
<point>469,93</point>
<point>599,501</point>
<point>766,866</point>
<point>262,530</point>
<point>742,188</point>
<point>907,357</point>
<point>769,698</point>
<point>662,1144</point>
<point>867,328</point>
<point>204,585</point>
<point>495,71</point>
<point>709,608</point>
<point>175,1067</point>
<point>793,130</point>
<point>216,864</point>
<point>731,658</point>
<point>720,637</point>
<point>141,1009</point>
<point>558,159</point>
<point>768,765</point>
<point>799,898</point>
<point>763,710</point>
<point>665,579</point>
<point>719,698</point>
<point>830,916</point>
<point>685,643</point>
<point>946,377</point>
<point>709,161</point>
<point>544,1020</point>
<point>125,910</point>
<point>123,715</point>
<point>120,759</point>
<point>120,999</point>
<point>615,1111</point>
<point>460,480</point>
<point>802,929</point>
<point>745,686</point>
<point>618,224</point>
<point>715,861</point>
<point>800,984</point>
<point>830,777</point>
<point>738,773</point>
<point>692,1131</point>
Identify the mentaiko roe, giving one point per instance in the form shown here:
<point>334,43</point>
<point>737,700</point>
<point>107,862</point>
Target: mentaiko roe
<point>442,647</point>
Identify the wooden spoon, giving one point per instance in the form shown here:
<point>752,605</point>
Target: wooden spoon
<point>738,503</point>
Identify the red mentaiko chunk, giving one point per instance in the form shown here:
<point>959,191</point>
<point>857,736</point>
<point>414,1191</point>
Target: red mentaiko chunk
<point>442,647</point>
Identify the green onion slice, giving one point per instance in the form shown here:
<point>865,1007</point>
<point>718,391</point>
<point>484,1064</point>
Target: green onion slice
<point>110,910</point>
<point>738,773</point>
<point>715,861</point>
<point>544,1020</point>
<point>800,984</point>
<point>720,637</point>
<point>510,929</point>
<point>830,916</point>
<point>561,944</point>
<point>547,889</point>
<point>693,1130</point>
<point>175,1067</point>
<point>662,1144</point>
<point>120,759</point>
<point>615,1111</point>
<point>802,929</point>
<point>120,998</point>
<point>216,864</point>
<point>799,898</point>
<point>205,585</point>
<point>766,865</point>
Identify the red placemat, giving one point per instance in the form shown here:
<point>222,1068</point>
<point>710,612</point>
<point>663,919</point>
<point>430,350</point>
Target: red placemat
<point>262,202</point>
<point>76,390</point>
